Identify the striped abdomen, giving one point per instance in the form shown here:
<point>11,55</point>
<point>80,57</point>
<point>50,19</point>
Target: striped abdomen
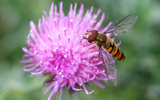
<point>115,51</point>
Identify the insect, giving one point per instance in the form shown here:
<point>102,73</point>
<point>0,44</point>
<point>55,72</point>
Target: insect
<point>107,46</point>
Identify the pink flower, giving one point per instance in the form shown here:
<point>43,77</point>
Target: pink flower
<point>55,47</point>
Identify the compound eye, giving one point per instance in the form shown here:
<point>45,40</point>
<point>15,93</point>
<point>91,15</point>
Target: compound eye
<point>94,32</point>
<point>92,36</point>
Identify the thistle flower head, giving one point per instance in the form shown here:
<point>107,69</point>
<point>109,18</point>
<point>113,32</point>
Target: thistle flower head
<point>55,47</point>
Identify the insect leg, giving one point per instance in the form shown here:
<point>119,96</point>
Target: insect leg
<point>89,44</point>
<point>92,47</point>
<point>83,38</point>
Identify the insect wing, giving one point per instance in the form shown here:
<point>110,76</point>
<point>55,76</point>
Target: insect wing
<point>109,65</point>
<point>123,25</point>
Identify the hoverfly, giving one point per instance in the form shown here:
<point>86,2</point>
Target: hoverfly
<point>107,46</point>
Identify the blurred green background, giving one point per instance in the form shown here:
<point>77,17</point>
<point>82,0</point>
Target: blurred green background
<point>138,75</point>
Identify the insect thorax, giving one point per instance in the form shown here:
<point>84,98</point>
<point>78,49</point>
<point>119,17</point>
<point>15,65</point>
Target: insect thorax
<point>101,39</point>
